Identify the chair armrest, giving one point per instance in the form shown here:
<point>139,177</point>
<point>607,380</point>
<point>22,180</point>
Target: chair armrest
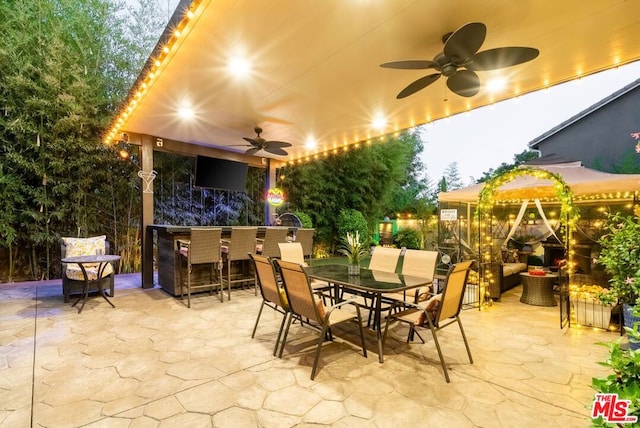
<point>404,305</point>
<point>351,301</point>
<point>335,306</point>
<point>421,296</point>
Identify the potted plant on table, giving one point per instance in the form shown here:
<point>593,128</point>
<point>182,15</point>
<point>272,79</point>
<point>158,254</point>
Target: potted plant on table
<point>355,250</point>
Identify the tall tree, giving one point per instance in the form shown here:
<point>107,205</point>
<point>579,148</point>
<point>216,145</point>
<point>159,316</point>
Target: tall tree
<point>66,66</point>
<point>452,177</point>
<point>518,159</point>
<point>366,179</point>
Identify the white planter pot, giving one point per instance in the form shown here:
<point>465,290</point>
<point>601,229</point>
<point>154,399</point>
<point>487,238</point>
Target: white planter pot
<point>470,295</point>
<point>591,312</point>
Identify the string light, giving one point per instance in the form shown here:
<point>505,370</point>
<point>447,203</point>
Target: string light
<point>184,25</point>
<point>179,31</point>
<point>486,201</point>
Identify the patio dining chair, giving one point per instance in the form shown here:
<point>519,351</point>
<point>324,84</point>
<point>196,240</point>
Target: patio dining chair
<point>304,303</point>
<point>202,248</point>
<point>292,252</point>
<point>420,263</point>
<point>273,295</point>
<point>440,311</point>
<point>384,259</point>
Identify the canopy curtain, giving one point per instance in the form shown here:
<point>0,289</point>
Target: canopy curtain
<point>523,209</point>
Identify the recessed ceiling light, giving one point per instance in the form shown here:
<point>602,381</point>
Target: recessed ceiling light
<point>379,122</point>
<point>239,66</point>
<point>311,143</point>
<point>496,84</point>
<point>186,113</point>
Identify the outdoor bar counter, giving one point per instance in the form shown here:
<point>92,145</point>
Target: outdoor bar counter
<point>168,258</point>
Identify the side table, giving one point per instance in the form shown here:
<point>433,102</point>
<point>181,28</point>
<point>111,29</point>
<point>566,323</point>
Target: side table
<point>102,261</point>
<point>538,289</point>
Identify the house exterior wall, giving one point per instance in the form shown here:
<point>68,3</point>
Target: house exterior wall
<point>600,138</point>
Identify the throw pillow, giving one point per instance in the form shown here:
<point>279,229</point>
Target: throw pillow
<point>321,309</point>
<point>509,255</point>
<point>85,247</point>
<point>431,308</point>
<point>283,298</point>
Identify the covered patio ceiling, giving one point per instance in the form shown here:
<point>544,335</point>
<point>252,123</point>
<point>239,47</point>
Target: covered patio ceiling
<point>315,79</point>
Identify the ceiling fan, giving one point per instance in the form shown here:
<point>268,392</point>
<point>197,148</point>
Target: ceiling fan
<point>460,60</point>
<point>258,143</point>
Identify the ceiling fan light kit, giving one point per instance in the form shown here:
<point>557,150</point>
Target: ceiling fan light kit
<point>460,60</point>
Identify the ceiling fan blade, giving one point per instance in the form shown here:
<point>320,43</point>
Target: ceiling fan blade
<point>275,151</point>
<point>492,59</point>
<point>463,43</point>
<point>419,84</point>
<point>465,83</point>
<point>277,144</point>
<point>252,151</point>
<point>410,64</point>
<point>251,140</point>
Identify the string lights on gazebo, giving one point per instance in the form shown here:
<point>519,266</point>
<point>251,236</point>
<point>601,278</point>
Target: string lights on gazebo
<point>569,215</point>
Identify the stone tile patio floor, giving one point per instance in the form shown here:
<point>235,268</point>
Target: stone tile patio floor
<point>151,362</point>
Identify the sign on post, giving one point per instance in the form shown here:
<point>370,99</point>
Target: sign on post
<point>450,214</point>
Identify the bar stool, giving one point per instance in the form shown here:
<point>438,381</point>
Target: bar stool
<point>237,248</point>
<point>203,248</point>
<point>305,237</point>
<point>268,245</point>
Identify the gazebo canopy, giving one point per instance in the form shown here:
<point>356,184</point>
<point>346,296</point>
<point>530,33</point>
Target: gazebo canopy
<point>586,184</point>
<point>314,66</point>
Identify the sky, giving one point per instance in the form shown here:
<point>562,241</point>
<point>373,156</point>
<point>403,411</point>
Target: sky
<point>486,137</point>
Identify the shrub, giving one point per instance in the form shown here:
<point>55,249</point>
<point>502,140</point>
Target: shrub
<point>320,251</point>
<point>624,377</point>
<point>305,219</point>
<point>350,220</point>
<point>620,256</point>
<point>535,261</point>
<point>408,238</point>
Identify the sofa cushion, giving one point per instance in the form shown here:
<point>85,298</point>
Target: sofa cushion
<point>513,268</point>
<point>83,247</point>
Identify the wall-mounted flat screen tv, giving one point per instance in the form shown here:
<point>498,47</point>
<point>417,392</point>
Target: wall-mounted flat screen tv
<point>221,174</point>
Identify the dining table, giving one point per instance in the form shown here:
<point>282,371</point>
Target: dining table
<point>371,282</point>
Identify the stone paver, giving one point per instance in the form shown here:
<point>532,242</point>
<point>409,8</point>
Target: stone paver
<point>151,362</point>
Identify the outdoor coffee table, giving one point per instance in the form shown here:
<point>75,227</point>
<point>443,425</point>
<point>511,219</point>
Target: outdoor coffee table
<point>375,283</point>
<point>102,261</point>
<point>538,289</point>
